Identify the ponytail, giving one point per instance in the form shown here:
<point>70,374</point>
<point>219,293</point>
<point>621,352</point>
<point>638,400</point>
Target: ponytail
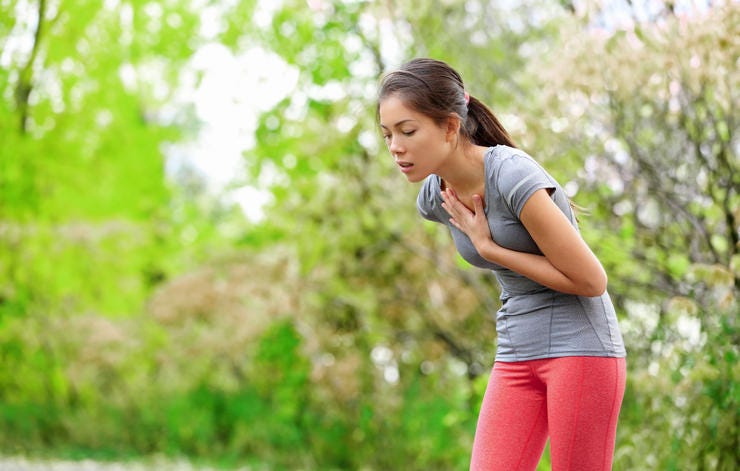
<point>482,126</point>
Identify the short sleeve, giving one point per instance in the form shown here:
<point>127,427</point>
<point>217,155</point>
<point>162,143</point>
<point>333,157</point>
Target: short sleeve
<point>518,178</point>
<point>426,202</point>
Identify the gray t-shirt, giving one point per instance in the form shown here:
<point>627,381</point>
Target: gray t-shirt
<point>534,321</point>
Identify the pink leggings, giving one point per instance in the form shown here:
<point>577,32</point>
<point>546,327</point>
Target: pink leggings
<point>574,400</point>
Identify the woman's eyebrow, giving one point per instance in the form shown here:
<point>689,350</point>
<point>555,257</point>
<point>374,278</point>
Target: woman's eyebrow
<point>397,124</point>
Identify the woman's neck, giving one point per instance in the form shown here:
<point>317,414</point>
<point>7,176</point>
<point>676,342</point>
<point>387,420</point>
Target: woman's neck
<point>464,170</point>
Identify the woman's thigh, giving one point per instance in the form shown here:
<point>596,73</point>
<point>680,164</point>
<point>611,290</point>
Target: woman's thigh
<point>584,396</point>
<point>512,424</point>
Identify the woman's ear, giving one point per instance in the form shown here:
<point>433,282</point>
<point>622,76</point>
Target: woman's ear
<point>452,128</point>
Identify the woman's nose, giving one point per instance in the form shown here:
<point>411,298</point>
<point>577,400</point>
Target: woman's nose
<point>394,146</point>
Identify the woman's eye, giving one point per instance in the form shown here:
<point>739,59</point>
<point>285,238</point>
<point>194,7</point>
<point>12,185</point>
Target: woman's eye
<point>409,133</point>
<point>386,137</point>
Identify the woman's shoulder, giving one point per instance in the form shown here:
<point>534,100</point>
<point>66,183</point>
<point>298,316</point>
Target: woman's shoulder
<point>430,188</point>
<point>510,164</point>
<point>514,175</point>
<point>502,154</point>
<point>427,202</point>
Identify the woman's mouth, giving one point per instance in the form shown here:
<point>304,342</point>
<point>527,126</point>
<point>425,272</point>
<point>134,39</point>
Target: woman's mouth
<point>405,166</point>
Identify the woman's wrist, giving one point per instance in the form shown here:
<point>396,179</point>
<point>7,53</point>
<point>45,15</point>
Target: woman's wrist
<point>486,248</point>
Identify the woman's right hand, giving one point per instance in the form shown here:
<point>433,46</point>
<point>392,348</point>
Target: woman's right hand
<point>473,223</point>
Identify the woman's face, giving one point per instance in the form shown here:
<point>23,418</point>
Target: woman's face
<point>418,144</point>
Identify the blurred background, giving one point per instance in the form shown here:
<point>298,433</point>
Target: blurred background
<point>207,254</point>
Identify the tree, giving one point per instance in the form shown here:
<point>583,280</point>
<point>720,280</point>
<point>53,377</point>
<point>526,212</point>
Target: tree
<point>647,115</point>
<point>343,321</point>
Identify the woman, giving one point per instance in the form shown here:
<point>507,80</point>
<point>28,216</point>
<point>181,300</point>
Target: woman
<point>560,367</point>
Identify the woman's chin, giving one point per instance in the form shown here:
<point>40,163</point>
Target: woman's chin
<point>414,177</point>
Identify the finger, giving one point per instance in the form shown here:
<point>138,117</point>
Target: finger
<point>445,198</point>
<point>451,211</point>
<point>478,204</point>
<point>451,198</point>
<point>449,203</point>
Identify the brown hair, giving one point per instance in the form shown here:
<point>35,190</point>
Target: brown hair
<point>435,89</point>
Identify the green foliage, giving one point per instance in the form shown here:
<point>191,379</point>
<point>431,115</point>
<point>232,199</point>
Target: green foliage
<point>342,332</point>
<point>658,171</point>
<point>698,383</point>
<point>660,152</point>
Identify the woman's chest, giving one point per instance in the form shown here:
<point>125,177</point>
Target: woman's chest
<point>506,231</point>
<point>510,233</point>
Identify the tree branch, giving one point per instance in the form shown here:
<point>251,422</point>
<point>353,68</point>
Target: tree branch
<point>25,81</point>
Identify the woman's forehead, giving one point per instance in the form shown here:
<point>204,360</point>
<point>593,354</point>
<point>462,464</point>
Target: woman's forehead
<point>393,111</point>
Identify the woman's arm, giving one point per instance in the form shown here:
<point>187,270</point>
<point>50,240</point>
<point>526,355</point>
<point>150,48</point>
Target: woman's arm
<point>567,265</point>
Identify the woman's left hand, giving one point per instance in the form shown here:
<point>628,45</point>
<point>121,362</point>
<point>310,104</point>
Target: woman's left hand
<point>473,223</point>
